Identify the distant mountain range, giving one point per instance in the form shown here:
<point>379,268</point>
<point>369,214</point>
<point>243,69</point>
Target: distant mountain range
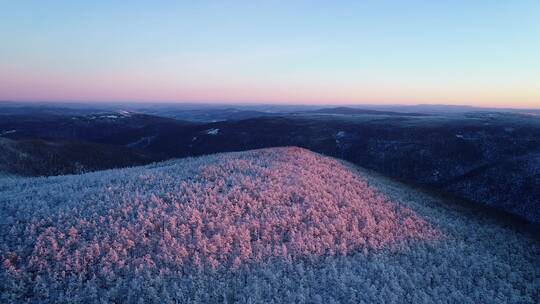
<point>356,111</point>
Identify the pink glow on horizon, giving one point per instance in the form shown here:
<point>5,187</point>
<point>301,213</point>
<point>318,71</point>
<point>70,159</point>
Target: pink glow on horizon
<point>140,87</point>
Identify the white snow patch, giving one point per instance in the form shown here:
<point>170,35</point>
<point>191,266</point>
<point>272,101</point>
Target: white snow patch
<point>8,132</point>
<point>124,113</point>
<point>110,116</point>
<point>214,131</point>
<point>339,136</point>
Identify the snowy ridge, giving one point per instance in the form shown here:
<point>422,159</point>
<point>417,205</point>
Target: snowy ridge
<point>215,228</point>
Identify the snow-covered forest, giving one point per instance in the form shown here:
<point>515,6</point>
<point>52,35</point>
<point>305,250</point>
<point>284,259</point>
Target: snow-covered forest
<point>273,225</point>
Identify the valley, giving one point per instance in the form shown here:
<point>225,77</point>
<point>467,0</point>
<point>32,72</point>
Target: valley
<point>487,157</point>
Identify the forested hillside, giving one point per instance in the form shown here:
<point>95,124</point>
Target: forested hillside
<point>273,225</point>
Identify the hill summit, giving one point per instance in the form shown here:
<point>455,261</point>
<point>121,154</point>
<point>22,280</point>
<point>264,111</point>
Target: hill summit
<point>213,220</point>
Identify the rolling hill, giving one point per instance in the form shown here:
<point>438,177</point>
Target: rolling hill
<point>274,225</point>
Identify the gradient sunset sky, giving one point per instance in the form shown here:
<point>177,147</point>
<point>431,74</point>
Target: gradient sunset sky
<point>482,53</point>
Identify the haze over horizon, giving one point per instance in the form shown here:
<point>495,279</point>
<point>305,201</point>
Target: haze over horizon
<point>460,53</point>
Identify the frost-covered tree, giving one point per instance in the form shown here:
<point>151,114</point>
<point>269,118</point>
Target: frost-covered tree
<point>273,225</point>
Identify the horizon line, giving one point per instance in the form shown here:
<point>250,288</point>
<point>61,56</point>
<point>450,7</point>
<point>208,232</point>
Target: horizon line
<point>255,103</point>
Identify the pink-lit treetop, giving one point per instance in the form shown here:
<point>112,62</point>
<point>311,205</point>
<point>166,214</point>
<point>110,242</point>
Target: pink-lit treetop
<point>221,211</point>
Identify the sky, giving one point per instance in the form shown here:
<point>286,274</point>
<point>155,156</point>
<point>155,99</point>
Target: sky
<point>480,53</point>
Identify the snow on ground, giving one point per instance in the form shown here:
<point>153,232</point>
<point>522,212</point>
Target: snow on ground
<point>124,113</point>
<point>7,132</point>
<point>118,115</point>
<point>212,131</point>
